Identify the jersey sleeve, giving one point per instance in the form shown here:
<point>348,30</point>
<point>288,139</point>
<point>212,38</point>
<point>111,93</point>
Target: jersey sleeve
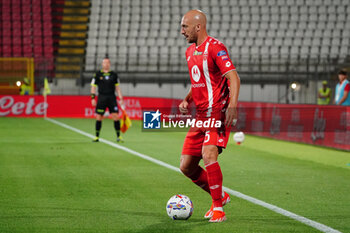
<point>117,82</point>
<point>94,80</point>
<point>347,87</point>
<point>221,58</point>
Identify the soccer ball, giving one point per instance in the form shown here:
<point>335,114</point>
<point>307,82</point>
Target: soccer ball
<point>238,137</point>
<point>179,207</point>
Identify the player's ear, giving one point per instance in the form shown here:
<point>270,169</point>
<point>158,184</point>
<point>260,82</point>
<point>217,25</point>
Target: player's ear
<point>198,27</point>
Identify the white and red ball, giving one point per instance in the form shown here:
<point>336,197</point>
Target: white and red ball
<point>179,207</point>
<point>239,137</point>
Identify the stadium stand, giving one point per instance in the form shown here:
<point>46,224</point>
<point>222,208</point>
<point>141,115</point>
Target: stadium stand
<point>72,37</point>
<point>270,41</point>
<point>26,31</point>
<point>267,39</point>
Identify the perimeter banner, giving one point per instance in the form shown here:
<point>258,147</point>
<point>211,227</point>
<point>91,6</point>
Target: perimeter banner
<point>313,124</point>
<point>74,106</point>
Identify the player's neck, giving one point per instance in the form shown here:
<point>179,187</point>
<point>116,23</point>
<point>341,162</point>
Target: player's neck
<point>341,82</point>
<point>201,39</point>
<point>105,71</point>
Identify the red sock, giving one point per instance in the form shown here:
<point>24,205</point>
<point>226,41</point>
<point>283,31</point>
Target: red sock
<point>200,178</point>
<point>215,183</point>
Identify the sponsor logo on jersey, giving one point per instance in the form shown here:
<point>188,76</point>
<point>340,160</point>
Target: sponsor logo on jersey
<point>196,85</point>
<point>228,64</point>
<point>107,77</point>
<point>101,78</point>
<point>221,53</point>
<point>196,74</point>
<point>224,58</point>
<point>205,56</point>
<point>196,53</point>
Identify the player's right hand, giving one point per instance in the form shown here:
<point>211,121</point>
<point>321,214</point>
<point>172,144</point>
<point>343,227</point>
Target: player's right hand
<point>183,107</point>
<point>93,103</point>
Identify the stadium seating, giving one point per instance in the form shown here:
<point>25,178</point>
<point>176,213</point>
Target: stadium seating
<point>278,35</point>
<point>24,22</point>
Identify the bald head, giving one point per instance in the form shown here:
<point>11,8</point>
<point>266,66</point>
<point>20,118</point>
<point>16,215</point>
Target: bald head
<point>194,26</point>
<point>196,17</point>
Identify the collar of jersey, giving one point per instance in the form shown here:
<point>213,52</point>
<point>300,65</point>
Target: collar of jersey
<point>203,42</point>
<point>104,72</point>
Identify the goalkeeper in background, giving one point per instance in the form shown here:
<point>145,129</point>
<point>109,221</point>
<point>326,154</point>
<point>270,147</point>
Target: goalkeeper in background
<point>107,82</point>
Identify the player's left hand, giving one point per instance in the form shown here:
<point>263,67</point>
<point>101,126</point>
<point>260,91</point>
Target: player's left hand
<point>231,116</point>
<point>121,102</point>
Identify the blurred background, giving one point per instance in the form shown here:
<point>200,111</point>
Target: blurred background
<point>283,49</point>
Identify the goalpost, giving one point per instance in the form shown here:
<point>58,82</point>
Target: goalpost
<point>14,69</point>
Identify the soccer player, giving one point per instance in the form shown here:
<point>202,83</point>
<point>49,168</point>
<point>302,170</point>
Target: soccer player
<point>107,82</point>
<point>214,90</point>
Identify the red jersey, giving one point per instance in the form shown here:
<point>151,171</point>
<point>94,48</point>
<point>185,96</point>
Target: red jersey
<point>207,64</point>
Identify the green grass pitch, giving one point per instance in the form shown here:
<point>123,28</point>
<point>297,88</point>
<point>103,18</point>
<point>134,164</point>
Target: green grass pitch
<point>55,180</point>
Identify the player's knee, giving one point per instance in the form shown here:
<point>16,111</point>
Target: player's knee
<point>210,154</point>
<point>115,117</point>
<point>185,169</point>
<point>99,117</point>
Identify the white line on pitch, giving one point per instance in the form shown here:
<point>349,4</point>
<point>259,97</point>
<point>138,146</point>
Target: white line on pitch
<point>309,222</point>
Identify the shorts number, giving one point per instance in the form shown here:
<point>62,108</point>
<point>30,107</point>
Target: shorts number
<point>207,136</point>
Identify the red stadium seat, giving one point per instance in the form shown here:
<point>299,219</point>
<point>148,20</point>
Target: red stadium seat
<point>26,25</point>
<point>27,32</point>
<point>38,49</point>
<point>6,15</point>
<point>47,25</point>
<point>6,9</point>
<point>36,2</point>
<point>37,25</point>
<point>6,25</point>
<point>46,2</point>
<point>46,9</point>
<point>37,41</point>
<point>6,40</point>
<point>6,50</point>
<point>27,51</point>
<point>16,8</point>
<point>26,9</point>
<point>26,2</point>
<point>48,51</point>
<point>7,3</point>
<point>16,24</point>
<point>37,17</point>
<point>17,51</point>
<point>17,40</point>
<point>37,32</point>
<point>27,40</point>
<point>47,18</point>
<point>36,9</point>
<point>17,32</point>
<point>48,32</point>
<point>16,17</point>
<point>26,16</point>
<point>16,2</point>
<point>48,41</point>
